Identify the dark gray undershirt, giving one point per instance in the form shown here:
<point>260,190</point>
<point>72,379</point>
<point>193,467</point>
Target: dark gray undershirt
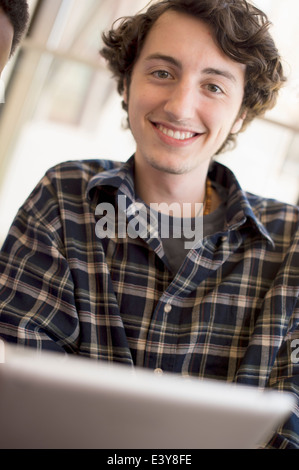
<point>172,230</point>
<point>175,249</point>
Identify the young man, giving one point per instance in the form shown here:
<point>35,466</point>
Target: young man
<point>13,22</point>
<point>85,268</point>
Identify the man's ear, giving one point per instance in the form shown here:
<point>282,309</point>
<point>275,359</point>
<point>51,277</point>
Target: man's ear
<point>238,123</point>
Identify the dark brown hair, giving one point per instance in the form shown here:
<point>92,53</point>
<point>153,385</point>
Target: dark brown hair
<point>241,30</point>
<point>17,12</point>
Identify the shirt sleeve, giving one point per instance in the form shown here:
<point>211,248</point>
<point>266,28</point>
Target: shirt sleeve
<point>37,306</point>
<point>285,377</point>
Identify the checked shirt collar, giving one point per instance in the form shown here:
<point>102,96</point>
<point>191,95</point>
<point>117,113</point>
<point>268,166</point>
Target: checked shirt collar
<point>239,210</point>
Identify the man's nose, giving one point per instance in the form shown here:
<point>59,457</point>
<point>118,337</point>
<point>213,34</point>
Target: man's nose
<point>181,102</point>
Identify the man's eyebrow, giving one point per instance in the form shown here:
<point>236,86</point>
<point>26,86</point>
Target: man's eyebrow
<point>222,73</point>
<point>165,58</point>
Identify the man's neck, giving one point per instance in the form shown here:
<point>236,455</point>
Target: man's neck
<point>159,187</point>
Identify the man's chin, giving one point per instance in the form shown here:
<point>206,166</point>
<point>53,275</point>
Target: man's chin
<point>170,168</point>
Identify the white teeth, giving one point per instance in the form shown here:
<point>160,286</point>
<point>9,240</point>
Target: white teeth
<point>176,135</point>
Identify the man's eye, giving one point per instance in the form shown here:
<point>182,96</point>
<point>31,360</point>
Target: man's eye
<point>162,74</point>
<point>214,88</point>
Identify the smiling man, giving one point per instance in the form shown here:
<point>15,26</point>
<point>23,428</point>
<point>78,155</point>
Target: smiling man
<point>192,73</point>
<point>184,101</point>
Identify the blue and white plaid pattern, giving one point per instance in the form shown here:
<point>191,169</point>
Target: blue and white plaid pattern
<point>230,313</point>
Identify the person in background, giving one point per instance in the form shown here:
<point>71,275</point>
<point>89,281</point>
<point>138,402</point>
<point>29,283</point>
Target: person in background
<point>89,269</point>
<point>14,18</point>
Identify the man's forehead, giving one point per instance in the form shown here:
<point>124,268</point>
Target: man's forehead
<point>177,25</point>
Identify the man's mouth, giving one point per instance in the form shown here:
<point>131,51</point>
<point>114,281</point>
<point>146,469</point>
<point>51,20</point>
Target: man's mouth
<point>175,134</point>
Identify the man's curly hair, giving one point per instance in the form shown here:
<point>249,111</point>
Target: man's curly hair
<point>241,30</point>
<point>18,14</point>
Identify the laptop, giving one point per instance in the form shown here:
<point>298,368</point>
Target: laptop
<point>55,401</point>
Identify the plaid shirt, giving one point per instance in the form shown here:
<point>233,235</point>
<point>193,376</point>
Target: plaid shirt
<point>230,313</point>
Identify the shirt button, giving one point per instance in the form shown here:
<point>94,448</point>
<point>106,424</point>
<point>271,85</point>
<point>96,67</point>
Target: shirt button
<point>158,371</point>
<point>167,308</point>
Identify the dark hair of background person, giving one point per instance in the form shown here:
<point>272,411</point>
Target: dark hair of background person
<point>18,13</point>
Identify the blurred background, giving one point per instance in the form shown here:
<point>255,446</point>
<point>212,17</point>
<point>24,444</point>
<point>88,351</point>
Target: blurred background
<point>61,104</point>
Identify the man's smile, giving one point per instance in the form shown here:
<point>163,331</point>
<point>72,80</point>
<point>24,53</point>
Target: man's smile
<point>178,135</point>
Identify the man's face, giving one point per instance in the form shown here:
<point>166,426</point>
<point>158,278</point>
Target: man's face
<point>6,37</point>
<point>185,96</point>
